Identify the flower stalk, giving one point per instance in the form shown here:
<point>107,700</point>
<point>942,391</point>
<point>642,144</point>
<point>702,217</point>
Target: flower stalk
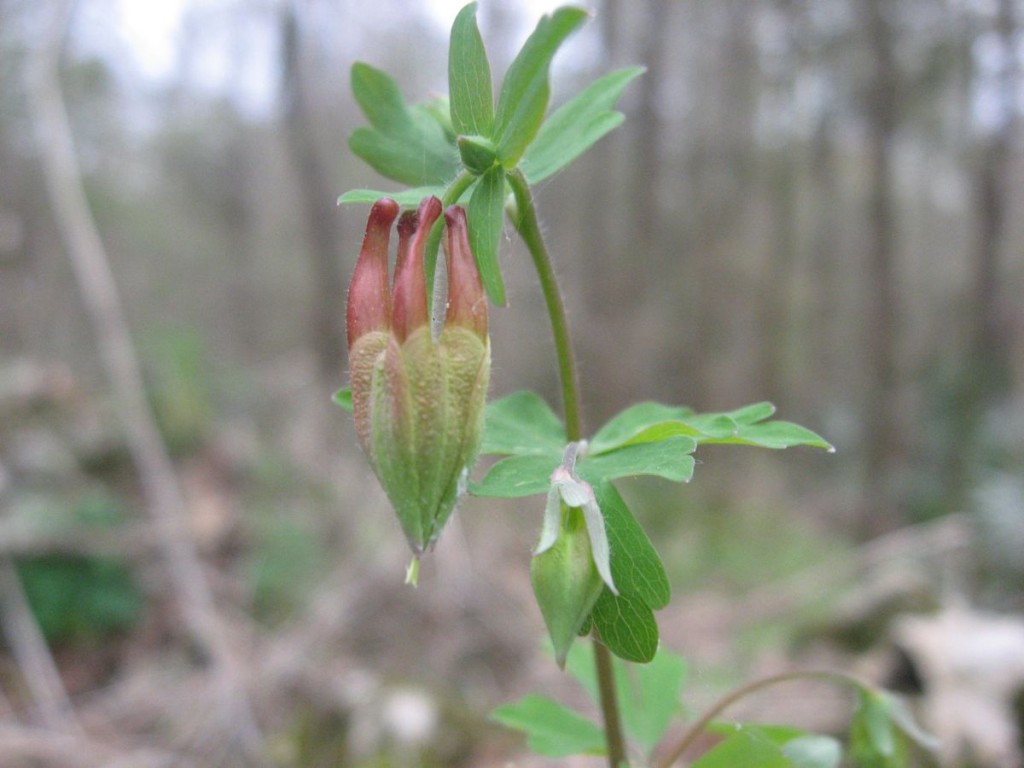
<point>528,227</point>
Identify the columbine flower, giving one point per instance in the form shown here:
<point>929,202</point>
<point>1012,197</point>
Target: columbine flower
<point>572,561</point>
<point>418,400</point>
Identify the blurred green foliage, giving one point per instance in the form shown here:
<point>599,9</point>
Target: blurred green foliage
<point>181,388</point>
<point>289,551</point>
<point>79,598</point>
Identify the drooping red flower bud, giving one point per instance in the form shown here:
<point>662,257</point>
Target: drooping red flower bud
<point>418,400</point>
<point>467,303</point>
<point>369,300</point>
<point>410,298</point>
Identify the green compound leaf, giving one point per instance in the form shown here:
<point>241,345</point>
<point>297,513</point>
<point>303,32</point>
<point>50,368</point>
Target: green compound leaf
<point>627,626</point>
<point>670,458</point>
<point>636,567</point>
<point>773,434</point>
<point>522,423</point>
<point>517,476</point>
<point>525,90</point>
<point>469,77</point>
<point>622,428</point>
<point>407,198</point>
<point>404,143</point>
<point>551,729</point>
<point>575,126</point>
<point>651,422</point>
<point>486,212</point>
<point>753,413</point>
<point>748,748</point>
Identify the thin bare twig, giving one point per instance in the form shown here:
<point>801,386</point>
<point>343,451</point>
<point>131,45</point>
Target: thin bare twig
<point>697,728</point>
<point>98,288</point>
<point>30,650</point>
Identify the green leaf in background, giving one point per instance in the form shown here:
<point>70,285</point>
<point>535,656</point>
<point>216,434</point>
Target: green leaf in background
<point>525,90</point>
<point>469,77</point>
<point>801,749</point>
<point>648,694</point>
<point>669,458</point>
<point>580,666</point>
<point>748,748</point>
<point>874,742</point>
<point>777,734</point>
<point>575,126</point>
<point>522,423</point>
<point>627,626</point>
<point>407,198</point>
<point>551,729</point>
<point>405,143</point>
<point>439,108</point>
<point>636,566</point>
<point>517,476</point>
<point>903,719</point>
<point>873,712</point>
<point>343,398</point>
<point>486,213</point>
<point>813,751</point>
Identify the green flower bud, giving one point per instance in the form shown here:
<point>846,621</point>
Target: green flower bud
<point>572,561</point>
<point>478,153</point>
<point>566,582</point>
<point>418,400</point>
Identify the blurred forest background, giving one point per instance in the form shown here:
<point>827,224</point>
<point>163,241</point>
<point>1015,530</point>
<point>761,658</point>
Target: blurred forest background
<point>816,203</point>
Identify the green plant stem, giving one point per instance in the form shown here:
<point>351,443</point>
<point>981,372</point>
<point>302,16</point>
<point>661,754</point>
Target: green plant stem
<point>687,739</point>
<point>529,229</point>
<point>526,224</point>
<point>609,702</point>
<point>459,185</point>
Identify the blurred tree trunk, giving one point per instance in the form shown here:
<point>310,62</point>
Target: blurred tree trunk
<point>985,373</point>
<point>238,221</point>
<point>158,481</point>
<point>881,423</point>
<point>647,167</point>
<point>316,205</point>
<point>780,181</point>
<point>601,216</point>
<point>992,201</point>
<point>823,320</point>
<point>727,184</point>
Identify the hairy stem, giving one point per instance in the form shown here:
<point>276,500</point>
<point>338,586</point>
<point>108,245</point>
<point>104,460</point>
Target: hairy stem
<point>687,739</point>
<point>528,227</point>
